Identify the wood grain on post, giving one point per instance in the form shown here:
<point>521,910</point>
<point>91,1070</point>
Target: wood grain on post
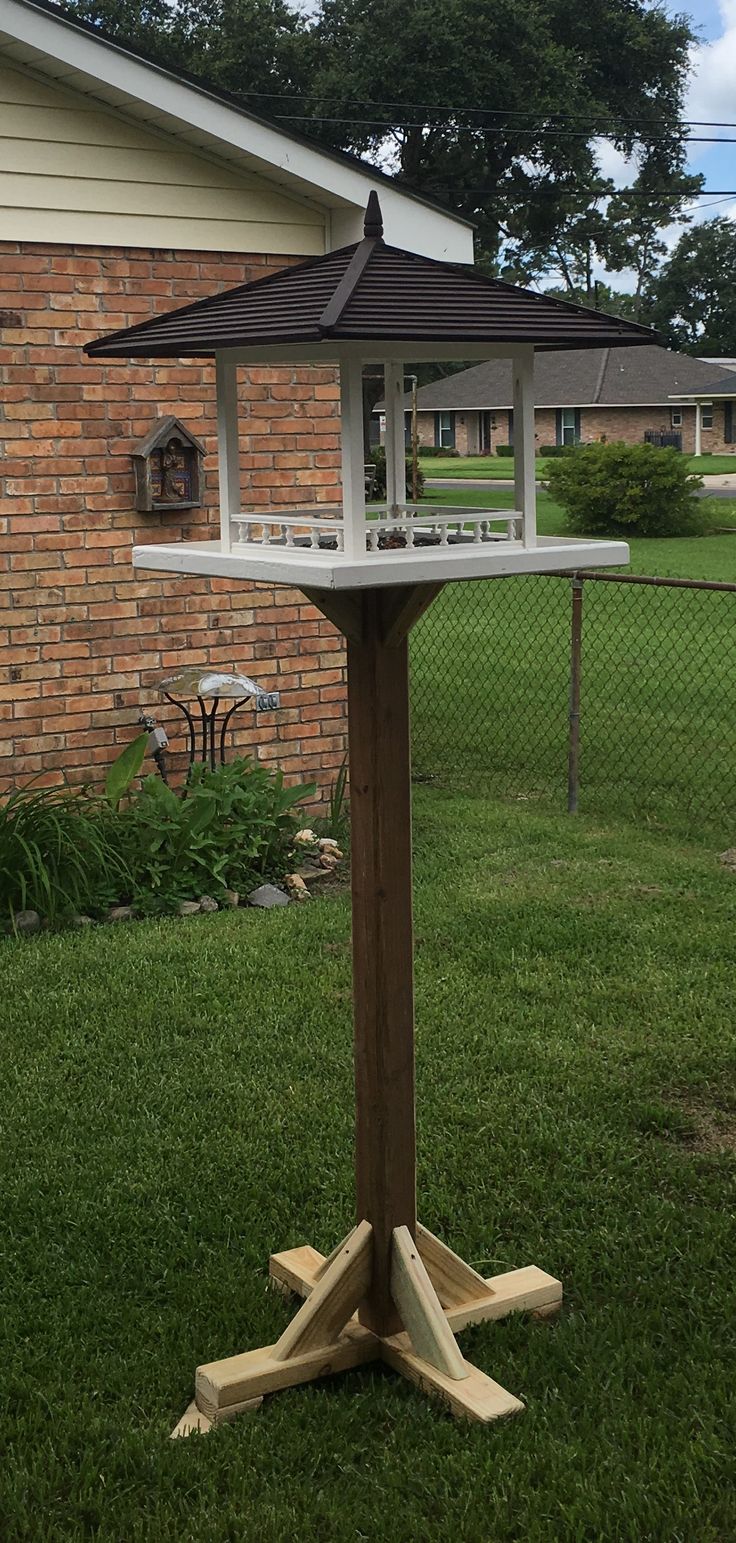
<point>380,795</point>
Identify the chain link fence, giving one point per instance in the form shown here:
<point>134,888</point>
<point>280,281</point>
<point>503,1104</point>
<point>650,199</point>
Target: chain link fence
<point>599,691</point>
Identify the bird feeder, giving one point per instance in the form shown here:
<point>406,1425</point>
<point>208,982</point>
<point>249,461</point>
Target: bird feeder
<point>391,1291</point>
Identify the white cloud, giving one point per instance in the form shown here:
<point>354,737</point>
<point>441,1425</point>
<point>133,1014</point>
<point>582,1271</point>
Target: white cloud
<point>612,163</point>
<point>712,92</point>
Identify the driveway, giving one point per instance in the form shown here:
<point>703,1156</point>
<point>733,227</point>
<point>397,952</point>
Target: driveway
<point>713,487</point>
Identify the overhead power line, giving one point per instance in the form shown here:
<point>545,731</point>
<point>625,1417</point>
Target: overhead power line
<point>380,123</point>
<point>605,124</point>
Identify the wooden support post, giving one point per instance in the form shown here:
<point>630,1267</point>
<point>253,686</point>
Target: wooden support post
<point>228,446</point>
<point>410,1291</point>
<point>380,793</point>
<point>525,486</point>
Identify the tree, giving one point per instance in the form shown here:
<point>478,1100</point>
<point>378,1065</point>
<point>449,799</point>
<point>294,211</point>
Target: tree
<point>256,49</point>
<point>614,302</point>
<point>693,301</point>
<point>497,109</point>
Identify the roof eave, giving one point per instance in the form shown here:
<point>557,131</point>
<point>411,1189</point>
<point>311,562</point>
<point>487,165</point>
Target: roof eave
<point>42,15</point>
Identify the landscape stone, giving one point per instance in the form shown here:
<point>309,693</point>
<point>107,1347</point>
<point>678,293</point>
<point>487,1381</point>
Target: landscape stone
<point>189,908</point>
<point>267,895</point>
<point>27,922</point>
<point>208,903</point>
<point>120,913</point>
<point>230,899</point>
<point>728,858</point>
<point>296,887</point>
<point>80,920</point>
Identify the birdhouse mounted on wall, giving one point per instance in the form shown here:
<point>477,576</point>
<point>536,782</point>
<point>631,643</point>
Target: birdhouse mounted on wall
<point>168,468</point>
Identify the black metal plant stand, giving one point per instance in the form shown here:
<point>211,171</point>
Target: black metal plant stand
<point>212,687</point>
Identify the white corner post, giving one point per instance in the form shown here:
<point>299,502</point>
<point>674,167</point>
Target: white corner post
<point>353,456</point>
<point>525,488</point>
<point>393,374</point>
<point>228,446</point>
<point>698,428</point>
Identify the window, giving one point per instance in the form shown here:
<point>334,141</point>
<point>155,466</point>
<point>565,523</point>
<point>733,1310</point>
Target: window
<point>676,418</point>
<point>568,425</point>
<point>444,431</point>
<point>707,415</point>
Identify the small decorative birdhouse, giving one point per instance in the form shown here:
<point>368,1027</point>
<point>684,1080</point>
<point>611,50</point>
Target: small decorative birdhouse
<point>168,468</point>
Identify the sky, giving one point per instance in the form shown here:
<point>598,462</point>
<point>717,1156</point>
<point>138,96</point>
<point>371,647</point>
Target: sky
<point>712,91</point>
<point>711,98</point>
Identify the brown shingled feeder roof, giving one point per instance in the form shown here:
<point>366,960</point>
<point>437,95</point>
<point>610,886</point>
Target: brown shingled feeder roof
<point>369,292</point>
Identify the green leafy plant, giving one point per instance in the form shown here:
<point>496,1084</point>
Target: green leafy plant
<point>231,829</point>
<point>59,853</point>
<point>378,457</point>
<point>506,450</point>
<point>125,769</point>
<point>441,451</point>
<point>553,452</point>
<point>336,819</point>
<point>621,490</point>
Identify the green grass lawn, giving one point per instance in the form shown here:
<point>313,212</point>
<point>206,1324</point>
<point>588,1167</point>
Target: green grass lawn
<point>178,1104</point>
<point>491,680</point>
<point>503,466</point>
<point>695,557</point>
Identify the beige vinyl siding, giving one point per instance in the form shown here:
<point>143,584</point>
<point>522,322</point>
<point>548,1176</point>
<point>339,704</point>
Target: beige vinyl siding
<point>69,172</point>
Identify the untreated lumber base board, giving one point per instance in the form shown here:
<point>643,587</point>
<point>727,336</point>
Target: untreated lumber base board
<point>228,1387</point>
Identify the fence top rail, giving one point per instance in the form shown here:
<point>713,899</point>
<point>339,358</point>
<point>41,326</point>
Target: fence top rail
<point>655,580</point>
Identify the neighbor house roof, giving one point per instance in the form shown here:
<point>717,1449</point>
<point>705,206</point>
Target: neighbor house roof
<point>722,384</point>
<point>601,377</point>
<point>60,48</point>
<point>372,292</point>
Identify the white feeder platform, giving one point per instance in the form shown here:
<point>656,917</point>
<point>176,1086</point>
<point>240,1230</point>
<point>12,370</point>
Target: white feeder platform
<point>330,570</point>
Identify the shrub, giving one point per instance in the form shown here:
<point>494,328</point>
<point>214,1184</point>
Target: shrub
<point>378,457</point>
<point>552,452</point>
<point>59,853</point>
<point>442,450</point>
<point>231,829</point>
<point>504,450</point>
<point>621,490</point>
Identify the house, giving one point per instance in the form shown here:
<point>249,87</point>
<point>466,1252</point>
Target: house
<point>127,191</point>
<point>628,394</point>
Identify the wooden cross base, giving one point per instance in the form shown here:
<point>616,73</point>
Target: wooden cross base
<point>435,1294</point>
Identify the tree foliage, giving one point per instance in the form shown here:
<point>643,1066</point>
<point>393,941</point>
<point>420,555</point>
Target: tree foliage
<point>256,49</point>
<point>496,109</point>
<point>693,301</point>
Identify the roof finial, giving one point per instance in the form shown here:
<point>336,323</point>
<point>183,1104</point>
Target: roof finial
<point>373,224</point>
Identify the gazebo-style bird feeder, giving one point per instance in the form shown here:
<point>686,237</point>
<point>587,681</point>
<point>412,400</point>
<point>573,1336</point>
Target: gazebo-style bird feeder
<point>391,1290</point>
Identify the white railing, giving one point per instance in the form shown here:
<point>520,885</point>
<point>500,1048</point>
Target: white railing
<point>408,525</point>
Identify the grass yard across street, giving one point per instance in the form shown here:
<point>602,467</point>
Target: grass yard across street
<point>181,1105</point>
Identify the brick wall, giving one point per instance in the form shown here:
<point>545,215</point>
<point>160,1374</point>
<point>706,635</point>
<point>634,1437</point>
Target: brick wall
<point>614,423</point>
<point>83,643</point>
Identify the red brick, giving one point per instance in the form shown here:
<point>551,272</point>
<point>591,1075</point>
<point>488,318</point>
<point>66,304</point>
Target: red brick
<point>90,638</point>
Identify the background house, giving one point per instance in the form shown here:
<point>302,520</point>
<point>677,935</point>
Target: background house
<point>585,394</point>
<point>126,191</point>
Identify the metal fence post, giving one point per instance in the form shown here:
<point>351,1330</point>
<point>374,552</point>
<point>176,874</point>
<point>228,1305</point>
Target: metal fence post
<point>576,645</point>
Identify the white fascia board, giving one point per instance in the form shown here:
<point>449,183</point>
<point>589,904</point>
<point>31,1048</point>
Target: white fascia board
<point>564,407</point>
<point>703,396</point>
<point>324,570</point>
<point>116,78</point>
